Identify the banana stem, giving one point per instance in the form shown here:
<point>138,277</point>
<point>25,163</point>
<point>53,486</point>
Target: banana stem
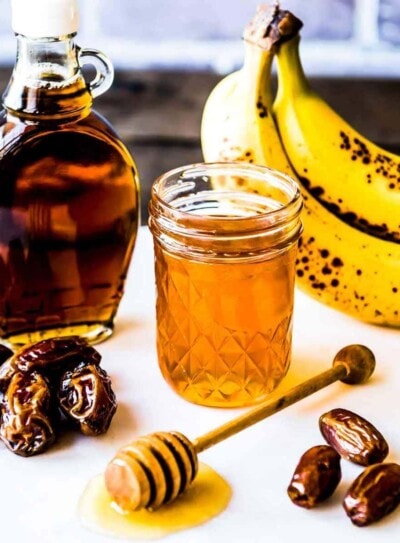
<point>291,76</point>
<point>257,69</point>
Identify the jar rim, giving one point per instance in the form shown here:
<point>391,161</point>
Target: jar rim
<point>291,208</point>
<point>195,213</point>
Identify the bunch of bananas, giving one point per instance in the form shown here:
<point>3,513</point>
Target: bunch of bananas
<point>349,253</point>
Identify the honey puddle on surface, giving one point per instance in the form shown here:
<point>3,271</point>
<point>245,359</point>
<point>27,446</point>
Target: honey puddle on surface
<point>208,496</point>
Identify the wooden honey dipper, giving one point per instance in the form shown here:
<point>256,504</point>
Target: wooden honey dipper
<point>155,469</point>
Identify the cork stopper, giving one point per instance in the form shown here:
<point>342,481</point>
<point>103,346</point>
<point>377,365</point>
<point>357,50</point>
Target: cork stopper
<point>44,18</point>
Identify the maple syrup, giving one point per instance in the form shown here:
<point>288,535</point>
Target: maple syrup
<point>69,193</point>
<point>206,498</point>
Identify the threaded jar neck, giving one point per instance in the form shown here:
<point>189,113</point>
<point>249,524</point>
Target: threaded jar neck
<point>223,211</point>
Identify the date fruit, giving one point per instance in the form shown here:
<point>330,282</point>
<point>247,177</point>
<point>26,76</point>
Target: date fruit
<point>55,354</point>
<point>353,437</point>
<point>26,407</point>
<point>316,476</point>
<point>86,397</point>
<point>42,381</point>
<point>374,494</point>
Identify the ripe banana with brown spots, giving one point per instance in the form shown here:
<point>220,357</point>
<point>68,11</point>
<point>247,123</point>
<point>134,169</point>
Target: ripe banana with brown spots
<point>351,176</point>
<point>237,121</point>
<point>341,265</point>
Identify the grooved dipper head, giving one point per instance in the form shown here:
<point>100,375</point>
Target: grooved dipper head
<point>151,471</point>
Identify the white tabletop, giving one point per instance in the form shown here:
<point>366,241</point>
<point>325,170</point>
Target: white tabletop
<point>39,495</point>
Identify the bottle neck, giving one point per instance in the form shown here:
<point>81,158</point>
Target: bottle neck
<point>47,80</point>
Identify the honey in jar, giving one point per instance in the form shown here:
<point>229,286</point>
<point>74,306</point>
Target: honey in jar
<point>224,264</point>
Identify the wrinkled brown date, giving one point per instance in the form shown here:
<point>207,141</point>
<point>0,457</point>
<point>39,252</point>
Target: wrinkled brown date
<point>26,408</point>
<point>42,379</point>
<point>86,397</point>
<point>316,476</point>
<point>53,355</point>
<point>374,494</point>
<point>353,437</point>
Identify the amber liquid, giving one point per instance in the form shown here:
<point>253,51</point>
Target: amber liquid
<point>224,329</point>
<point>68,222</point>
<point>208,496</point>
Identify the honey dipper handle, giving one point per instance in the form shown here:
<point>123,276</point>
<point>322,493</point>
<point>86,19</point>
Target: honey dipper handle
<point>270,407</point>
<point>354,364</point>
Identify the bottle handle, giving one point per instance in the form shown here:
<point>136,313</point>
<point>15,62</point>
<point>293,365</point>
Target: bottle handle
<point>104,70</point>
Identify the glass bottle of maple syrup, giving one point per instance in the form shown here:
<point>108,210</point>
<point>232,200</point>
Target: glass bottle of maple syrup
<point>69,192</point>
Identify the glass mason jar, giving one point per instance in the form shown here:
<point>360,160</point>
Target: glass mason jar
<point>225,241</point>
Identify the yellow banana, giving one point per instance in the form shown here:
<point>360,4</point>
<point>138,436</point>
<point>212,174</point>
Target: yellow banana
<point>347,269</point>
<point>351,176</point>
<point>237,122</point>
<point>338,264</point>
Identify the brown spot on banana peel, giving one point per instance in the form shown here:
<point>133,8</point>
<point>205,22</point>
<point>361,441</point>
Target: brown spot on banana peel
<point>339,291</point>
<point>386,165</point>
<point>380,231</point>
<point>338,287</point>
<point>230,153</point>
<point>261,108</point>
<point>383,164</point>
